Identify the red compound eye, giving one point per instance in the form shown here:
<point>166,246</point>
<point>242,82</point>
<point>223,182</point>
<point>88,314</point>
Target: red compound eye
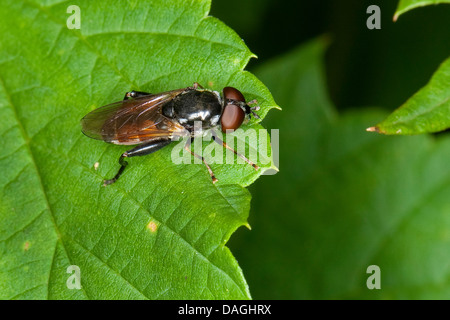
<point>233,94</point>
<point>233,115</point>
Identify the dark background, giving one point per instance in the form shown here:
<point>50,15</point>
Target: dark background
<point>364,67</point>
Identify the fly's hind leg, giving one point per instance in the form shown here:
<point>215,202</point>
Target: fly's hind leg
<point>187,146</point>
<point>140,150</point>
<point>123,165</point>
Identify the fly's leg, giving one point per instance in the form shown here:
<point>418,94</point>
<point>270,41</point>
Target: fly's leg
<point>220,141</point>
<point>187,146</point>
<point>123,165</point>
<point>255,108</point>
<point>140,150</point>
<point>135,94</point>
<point>195,86</point>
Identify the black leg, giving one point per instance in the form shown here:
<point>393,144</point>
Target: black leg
<point>140,150</point>
<point>123,164</point>
<point>135,94</point>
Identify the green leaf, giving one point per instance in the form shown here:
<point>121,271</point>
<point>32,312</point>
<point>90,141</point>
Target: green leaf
<point>344,199</point>
<point>160,231</point>
<point>426,111</point>
<point>407,5</point>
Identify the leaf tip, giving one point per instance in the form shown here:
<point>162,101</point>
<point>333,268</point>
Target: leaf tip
<point>373,129</point>
<point>270,171</point>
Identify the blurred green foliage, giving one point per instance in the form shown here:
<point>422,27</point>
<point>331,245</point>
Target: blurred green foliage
<point>345,199</point>
<point>427,111</point>
<point>363,67</point>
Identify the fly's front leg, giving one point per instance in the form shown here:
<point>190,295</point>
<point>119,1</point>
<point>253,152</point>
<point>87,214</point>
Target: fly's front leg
<point>135,94</point>
<point>140,150</point>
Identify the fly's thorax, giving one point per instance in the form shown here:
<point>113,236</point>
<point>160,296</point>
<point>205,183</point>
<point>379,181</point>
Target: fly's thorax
<point>195,105</point>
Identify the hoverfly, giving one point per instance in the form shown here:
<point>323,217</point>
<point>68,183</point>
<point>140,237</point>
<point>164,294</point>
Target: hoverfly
<point>151,121</point>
